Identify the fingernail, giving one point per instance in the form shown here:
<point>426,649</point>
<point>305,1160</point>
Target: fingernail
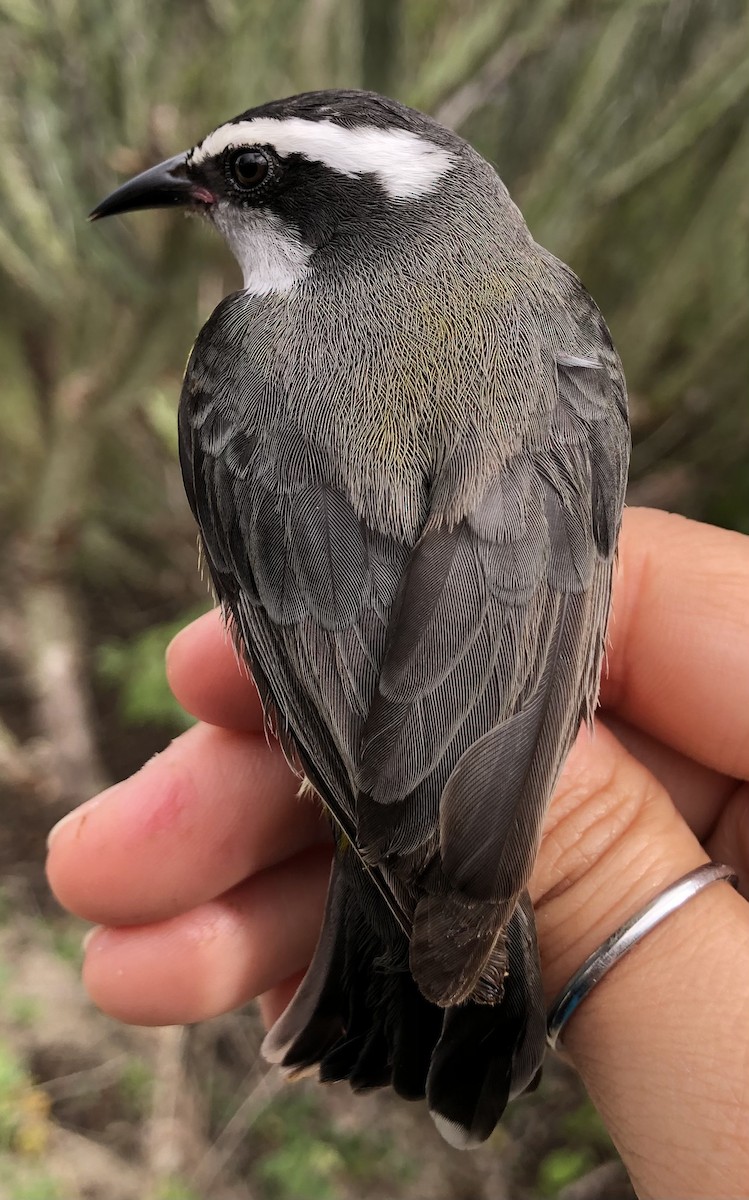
<point>88,936</point>
<point>82,811</point>
<point>75,814</point>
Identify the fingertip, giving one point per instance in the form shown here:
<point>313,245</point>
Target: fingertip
<point>118,969</point>
<point>203,636</point>
<point>205,622</point>
<point>168,973</point>
<point>209,679</point>
<point>75,816</point>
<point>216,957</point>
<point>78,838</point>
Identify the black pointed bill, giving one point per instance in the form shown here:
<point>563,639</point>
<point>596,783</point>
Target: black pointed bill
<point>162,186</point>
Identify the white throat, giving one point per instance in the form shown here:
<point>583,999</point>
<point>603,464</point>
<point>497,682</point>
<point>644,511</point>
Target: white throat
<point>272,256</point>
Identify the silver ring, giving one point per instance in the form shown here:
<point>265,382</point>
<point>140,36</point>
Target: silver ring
<point>600,962</point>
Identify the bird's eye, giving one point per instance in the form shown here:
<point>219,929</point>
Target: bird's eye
<point>248,168</point>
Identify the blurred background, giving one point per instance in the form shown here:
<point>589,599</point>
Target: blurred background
<point>622,129</point>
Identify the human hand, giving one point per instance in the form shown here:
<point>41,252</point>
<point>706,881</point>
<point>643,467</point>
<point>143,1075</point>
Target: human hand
<point>209,875</point>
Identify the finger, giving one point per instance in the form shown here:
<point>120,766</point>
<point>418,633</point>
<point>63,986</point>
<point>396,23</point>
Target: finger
<point>729,841</point>
<point>216,957</point>
<point>697,792</point>
<point>213,808</point>
<point>207,677</point>
<point>678,664</point>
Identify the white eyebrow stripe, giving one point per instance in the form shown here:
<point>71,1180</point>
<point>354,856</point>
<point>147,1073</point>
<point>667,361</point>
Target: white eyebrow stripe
<point>406,164</point>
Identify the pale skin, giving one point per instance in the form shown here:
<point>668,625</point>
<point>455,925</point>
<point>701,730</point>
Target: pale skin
<point>206,873</point>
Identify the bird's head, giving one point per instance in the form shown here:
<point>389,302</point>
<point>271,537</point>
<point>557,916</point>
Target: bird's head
<point>296,177</point>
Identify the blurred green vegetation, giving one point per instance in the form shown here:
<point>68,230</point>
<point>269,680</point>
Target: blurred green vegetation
<point>24,1109</point>
<point>307,1155</point>
<point>23,1183</point>
<point>583,1143</point>
<point>135,1086</point>
<point>622,130</point>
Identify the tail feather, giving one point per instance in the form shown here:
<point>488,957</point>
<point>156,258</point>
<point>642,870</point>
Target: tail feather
<point>489,1054</point>
<point>363,1060</point>
<point>313,1021</point>
<point>418,1027</point>
<point>359,1016</point>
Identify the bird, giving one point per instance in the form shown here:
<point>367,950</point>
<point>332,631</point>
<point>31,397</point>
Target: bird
<point>405,443</point>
